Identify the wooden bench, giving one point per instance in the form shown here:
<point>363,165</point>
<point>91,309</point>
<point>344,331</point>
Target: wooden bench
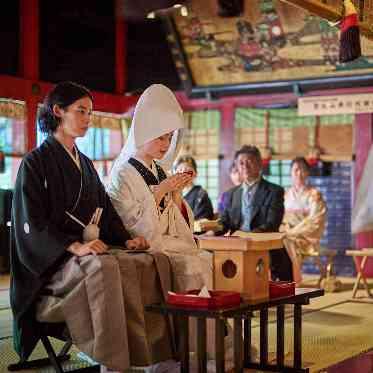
<point>360,265</point>
<point>327,279</point>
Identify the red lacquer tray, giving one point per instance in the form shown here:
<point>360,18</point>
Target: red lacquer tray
<point>279,289</point>
<point>218,299</point>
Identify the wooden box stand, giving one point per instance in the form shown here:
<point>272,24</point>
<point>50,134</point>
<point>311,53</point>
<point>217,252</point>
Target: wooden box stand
<point>242,263</point>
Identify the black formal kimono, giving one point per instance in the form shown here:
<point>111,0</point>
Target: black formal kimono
<point>48,184</point>
<point>6,196</point>
<point>200,203</point>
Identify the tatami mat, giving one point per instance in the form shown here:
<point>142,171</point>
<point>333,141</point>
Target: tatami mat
<point>4,299</point>
<point>330,335</point>
<point>335,328</point>
<point>9,356</point>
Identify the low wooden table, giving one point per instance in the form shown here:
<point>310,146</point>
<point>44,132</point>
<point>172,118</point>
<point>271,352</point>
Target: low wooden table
<point>242,347</point>
<point>364,254</point>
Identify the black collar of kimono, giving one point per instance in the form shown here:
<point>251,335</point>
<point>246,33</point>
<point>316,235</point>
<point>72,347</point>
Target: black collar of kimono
<point>146,174</point>
<point>54,142</point>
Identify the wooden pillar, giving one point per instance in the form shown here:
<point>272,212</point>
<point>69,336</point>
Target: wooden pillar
<point>29,62</point>
<point>120,50</point>
<point>29,39</point>
<point>227,143</point>
<point>363,142</point>
<point>32,110</point>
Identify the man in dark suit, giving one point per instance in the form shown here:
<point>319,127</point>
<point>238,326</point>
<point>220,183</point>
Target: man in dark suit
<point>256,206</point>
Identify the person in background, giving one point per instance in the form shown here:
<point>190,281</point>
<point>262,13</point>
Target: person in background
<point>256,206</point>
<point>62,223</point>
<point>235,178</point>
<point>305,216</point>
<point>195,195</point>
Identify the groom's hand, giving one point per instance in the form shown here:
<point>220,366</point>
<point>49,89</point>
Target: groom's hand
<point>138,243</point>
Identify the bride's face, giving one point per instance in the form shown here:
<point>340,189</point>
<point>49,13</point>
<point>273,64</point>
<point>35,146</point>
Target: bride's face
<point>157,148</point>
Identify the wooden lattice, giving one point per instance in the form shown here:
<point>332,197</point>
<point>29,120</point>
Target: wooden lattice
<point>335,136</point>
<point>208,177</point>
<point>289,135</point>
<point>202,135</point>
<point>250,135</point>
<point>12,109</point>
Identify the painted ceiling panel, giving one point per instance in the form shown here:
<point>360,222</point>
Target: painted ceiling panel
<point>271,41</point>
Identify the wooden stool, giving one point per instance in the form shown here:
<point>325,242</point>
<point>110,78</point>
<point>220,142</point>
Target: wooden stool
<point>58,331</point>
<point>365,254</point>
<point>327,279</point>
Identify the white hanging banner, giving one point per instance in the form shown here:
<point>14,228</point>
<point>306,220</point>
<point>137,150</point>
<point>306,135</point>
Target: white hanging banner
<point>331,105</point>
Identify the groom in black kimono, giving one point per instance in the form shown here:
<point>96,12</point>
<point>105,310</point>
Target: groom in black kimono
<point>256,206</point>
<point>68,262</point>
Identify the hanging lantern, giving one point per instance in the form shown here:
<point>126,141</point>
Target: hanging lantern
<point>266,154</point>
<point>314,152</point>
<point>313,156</point>
<point>266,151</point>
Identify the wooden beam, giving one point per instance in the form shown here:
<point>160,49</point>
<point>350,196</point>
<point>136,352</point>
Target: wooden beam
<point>330,13</point>
<point>21,89</point>
<point>29,62</point>
<point>323,157</point>
<point>322,10</point>
<point>29,39</point>
<point>336,157</point>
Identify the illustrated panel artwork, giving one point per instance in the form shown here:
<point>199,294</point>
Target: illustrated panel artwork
<point>271,41</point>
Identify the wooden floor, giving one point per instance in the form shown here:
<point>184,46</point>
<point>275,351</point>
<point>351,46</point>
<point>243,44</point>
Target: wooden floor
<point>360,364</point>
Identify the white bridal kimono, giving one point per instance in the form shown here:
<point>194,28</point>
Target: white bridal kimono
<point>157,113</point>
<point>166,231</point>
<point>130,189</point>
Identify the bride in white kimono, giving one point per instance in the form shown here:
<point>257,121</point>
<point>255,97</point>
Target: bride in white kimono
<point>147,199</point>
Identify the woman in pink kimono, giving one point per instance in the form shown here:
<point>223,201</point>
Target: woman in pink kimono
<point>305,216</point>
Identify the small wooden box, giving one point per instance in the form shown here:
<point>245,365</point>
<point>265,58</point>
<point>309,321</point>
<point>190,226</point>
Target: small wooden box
<point>242,264</point>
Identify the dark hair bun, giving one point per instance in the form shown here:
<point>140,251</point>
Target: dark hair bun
<point>46,120</point>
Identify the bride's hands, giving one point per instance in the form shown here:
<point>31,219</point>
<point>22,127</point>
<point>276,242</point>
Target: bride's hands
<point>137,243</point>
<point>174,183</point>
